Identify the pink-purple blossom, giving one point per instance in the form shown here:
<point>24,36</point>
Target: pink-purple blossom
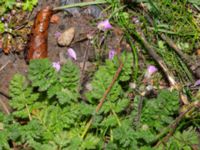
<point>56,65</point>
<point>135,20</point>
<point>197,83</point>
<point>111,54</point>
<point>104,25</point>
<point>57,34</point>
<point>71,53</point>
<point>150,70</point>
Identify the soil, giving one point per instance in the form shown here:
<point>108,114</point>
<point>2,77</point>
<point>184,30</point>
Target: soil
<point>14,63</point>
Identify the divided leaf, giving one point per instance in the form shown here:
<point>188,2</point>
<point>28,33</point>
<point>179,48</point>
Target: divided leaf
<point>42,74</point>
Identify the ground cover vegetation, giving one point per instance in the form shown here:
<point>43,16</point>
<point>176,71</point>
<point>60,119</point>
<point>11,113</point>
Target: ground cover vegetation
<point>143,97</point>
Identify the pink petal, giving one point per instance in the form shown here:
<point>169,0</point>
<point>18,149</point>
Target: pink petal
<point>135,20</point>
<point>112,53</point>
<point>197,83</point>
<point>57,34</point>
<point>104,25</point>
<point>71,53</point>
<point>150,70</point>
<point>56,65</point>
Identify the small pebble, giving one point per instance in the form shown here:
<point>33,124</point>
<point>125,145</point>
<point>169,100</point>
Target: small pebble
<point>93,10</point>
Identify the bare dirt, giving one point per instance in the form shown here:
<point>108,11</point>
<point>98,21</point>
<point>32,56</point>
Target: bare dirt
<point>14,63</point>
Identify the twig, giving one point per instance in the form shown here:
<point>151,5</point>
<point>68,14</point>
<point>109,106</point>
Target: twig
<point>163,66</point>
<point>176,122</point>
<point>188,61</point>
<point>4,106</point>
<point>176,49</point>
<point>138,117</point>
<point>158,59</point>
<point>103,98</point>
<point>2,67</point>
<point>109,87</point>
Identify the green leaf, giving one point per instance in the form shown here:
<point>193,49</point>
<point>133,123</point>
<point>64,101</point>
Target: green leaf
<point>1,24</point>
<point>29,4</point>
<point>69,80</point>
<point>42,74</point>
<point>125,136</point>
<point>90,142</point>
<point>109,121</point>
<point>9,3</point>
<point>159,112</point>
<point>22,96</point>
<point>184,140</point>
<point>121,105</point>
<point>196,2</point>
<point>4,139</point>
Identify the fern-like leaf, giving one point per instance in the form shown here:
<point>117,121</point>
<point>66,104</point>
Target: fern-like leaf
<point>21,96</point>
<point>42,74</point>
<point>67,86</point>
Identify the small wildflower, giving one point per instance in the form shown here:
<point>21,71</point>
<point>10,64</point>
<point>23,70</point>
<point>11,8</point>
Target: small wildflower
<point>88,86</point>
<point>150,70</point>
<point>56,65</point>
<point>2,19</point>
<point>104,25</point>
<point>149,88</point>
<point>197,83</point>
<point>135,20</point>
<point>71,53</point>
<point>57,34</point>
<point>132,85</point>
<point>111,54</point>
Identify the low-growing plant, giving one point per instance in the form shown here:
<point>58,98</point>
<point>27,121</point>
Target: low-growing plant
<point>7,5</point>
<point>49,113</point>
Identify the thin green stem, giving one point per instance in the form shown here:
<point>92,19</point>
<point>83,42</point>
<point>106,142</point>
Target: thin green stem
<point>135,56</point>
<point>111,135</point>
<point>87,127</point>
<point>117,118</point>
<point>80,4</point>
<point>103,98</point>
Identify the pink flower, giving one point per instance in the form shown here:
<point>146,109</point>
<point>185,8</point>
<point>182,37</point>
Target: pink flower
<point>111,54</point>
<point>197,83</point>
<point>57,34</point>
<point>104,25</point>
<point>150,70</point>
<point>71,53</point>
<point>56,65</point>
<point>135,20</point>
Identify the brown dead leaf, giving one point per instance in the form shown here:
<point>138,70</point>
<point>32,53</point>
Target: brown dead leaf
<point>66,37</point>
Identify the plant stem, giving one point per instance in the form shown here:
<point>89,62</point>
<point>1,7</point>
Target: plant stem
<point>80,4</point>
<point>117,118</point>
<point>103,98</point>
<point>29,115</point>
<point>172,127</point>
<point>159,60</point>
<point>135,56</point>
